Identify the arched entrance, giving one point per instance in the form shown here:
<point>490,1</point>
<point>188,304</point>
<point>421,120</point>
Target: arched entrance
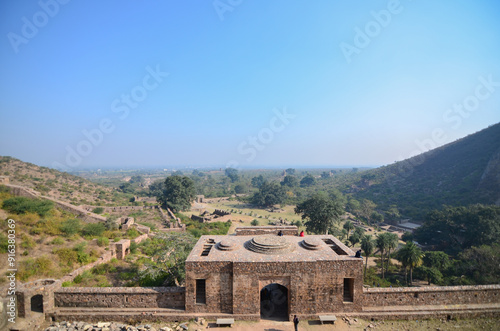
<point>274,302</point>
<point>37,303</point>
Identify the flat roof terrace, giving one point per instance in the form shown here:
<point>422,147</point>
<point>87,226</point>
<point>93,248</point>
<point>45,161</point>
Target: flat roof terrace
<point>269,248</point>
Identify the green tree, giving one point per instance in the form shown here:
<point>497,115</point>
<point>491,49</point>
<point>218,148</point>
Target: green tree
<point>290,171</point>
<point>377,217</point>
<point>367,245</point>
<point>232,174</point>
<point>240,188</point>
<point>481,264</point>
<point>269,194</point>
<point>436,259</point>
<point>156,188</point>
<point>169,252</point>
<point>321,212</point>
<point>392,243</point>
<point>353,206</point>
<point>430,274</point>
<point>381,243</point>
<point>354,238</point>
<point>178,193</point>
<point>258,181</point>
<point>348,226</point>
<point>455,229</point>
<point>410,256</point>
<point>366,209</point>
<point>290,181</point>
<point>307,180</point>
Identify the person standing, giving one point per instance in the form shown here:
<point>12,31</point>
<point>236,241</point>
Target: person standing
<point>295,322</point>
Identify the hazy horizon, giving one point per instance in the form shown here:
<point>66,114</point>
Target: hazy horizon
<point>257,84</point>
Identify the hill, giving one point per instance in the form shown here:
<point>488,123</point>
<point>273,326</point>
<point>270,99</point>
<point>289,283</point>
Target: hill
<point>463,172</point>
<point>59,185</point>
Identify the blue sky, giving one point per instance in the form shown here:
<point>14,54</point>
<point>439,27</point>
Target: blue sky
<point>243,83</point>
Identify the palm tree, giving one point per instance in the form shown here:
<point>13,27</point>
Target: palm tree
<point>367,245</point>
<point>348,225</point>
<point>392,243</point>
<point>411,257</point>
<point>381,244</point>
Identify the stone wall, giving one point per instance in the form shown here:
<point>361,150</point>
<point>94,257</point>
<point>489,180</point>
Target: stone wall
<point>30,193</point>
<point>291,230</point>
<point>120,297</point>
<point>314,287</point>
<point>438,295</point>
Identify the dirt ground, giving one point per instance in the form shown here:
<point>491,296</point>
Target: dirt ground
<point>341,325</point>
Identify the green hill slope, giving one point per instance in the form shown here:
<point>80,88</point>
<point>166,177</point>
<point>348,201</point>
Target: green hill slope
<point>464,172</point>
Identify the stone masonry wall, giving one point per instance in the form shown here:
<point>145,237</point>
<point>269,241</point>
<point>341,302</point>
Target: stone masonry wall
<point>439,295</point>
<point>121,297</point>
<point>219,290</point>
<point>313,287</point>
<point>291,230</point>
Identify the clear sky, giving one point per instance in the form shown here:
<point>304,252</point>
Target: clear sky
<point>244,83</point>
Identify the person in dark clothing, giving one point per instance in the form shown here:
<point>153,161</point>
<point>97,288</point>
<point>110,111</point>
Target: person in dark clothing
<point>358,253</point>
<point>295,322</point>
<point>280,233</point>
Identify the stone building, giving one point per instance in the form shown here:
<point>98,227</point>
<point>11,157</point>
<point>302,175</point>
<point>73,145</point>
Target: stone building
<point>262,276</point>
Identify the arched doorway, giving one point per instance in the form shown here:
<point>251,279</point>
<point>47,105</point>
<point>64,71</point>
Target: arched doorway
<point>37,303</point>
<point>274,302</point>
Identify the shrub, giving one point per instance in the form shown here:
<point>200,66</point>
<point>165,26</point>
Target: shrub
<point>80,247</point>
<point>71,227</point>
<point>27,242</point>
<point>41,266</point>
<point>57,241</point>
<point>23,205</point>
<point>133,247</point>
<point>132,233</point>
<point>98,210</point>
<point>4,243</point>
<point>255,222</point>
<point>93,229</point>
<point>67,256</point>
<point>102,241</point>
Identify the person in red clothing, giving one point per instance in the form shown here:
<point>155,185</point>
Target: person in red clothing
<point>301,233</point>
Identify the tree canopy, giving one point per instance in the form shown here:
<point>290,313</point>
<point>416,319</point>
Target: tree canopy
<point>269,194</point>
<point>177,194</point>
<point>232,174</point>
<point>321,212</point>
<point>454,229</point>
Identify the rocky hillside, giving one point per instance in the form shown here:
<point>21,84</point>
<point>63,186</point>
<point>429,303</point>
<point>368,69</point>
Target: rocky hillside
<point>59,185</point>
<point>464,172</point>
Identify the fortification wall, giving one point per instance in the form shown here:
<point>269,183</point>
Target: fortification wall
<point>438,295</point>
<point>121,297</point>
<point>30,193</point>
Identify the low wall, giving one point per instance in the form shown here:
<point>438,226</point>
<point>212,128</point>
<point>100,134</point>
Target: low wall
<point>291,230</point>
<point>439,295</point>
<point>120,297</point>
<point>30,193</point>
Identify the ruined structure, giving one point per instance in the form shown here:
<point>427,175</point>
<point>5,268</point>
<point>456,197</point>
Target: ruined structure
<point>217,216</point>
<point>252,276</point>
<point>273,276</point>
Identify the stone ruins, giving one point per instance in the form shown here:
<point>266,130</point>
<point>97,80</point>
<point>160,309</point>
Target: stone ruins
<point>258,275</point>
